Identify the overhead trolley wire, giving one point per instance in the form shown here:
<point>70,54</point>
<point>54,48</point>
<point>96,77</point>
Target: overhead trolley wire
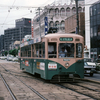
<point>8,14</point>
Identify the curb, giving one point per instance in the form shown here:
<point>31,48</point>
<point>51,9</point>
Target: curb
<point>88,80</point>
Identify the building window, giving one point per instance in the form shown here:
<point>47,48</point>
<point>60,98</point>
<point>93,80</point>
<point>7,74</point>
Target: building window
<point>62,12</point>
<point>91,32</point>
<point>98,30</point>
<point>98,8</point>
<point>62,25</point>
<point>98,19</point>
<point>51,24</point>
<point>56,12</point>
<point>94,10</point>
<point>74,9</point>
<point>91,21</point>
<point>68,10</point>
<point>51,12</point>
<point>90,11</point>
<point>79,9</point>
<point>57,24</point>
<point>94,20</point>
<point>95,31</point>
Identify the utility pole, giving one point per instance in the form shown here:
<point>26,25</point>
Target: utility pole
<point>39,22</point>
<point>77,28</point>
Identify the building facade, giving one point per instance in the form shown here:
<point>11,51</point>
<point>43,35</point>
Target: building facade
<point>56,15</point>
<point>71,24</point>
<point>95,30</point>
<point>1,43</point>
<point>88,3</point>
<point>92,22</point>
<point>23,27</point>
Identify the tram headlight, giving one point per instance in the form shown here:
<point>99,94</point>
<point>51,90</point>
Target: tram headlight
<point>67,64</point>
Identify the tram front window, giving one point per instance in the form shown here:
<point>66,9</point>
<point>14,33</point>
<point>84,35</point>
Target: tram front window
<point>78,50</point>
<point>66,50</point>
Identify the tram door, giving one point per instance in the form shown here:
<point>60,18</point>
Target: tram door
<point>52,50</point>
<point>33,55</point>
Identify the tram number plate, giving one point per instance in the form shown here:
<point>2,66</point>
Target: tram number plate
<point>88,71</point>
<point>52,66</point>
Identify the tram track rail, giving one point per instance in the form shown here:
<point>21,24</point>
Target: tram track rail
<point>62,86</point>
<point>32,89</point>
<point>87,80</point>
<point>8,88</point>
<point>78,89</point>
<point>85,87</point>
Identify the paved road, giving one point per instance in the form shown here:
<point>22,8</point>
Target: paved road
<point>5,61</point>
<point>95,77</point>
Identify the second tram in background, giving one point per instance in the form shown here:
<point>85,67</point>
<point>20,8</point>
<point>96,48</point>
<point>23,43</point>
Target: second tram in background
<point>54,57</point>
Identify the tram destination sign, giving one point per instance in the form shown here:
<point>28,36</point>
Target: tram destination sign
<point>66,39</point>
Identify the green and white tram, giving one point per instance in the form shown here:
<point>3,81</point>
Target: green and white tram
<point>56,57</point>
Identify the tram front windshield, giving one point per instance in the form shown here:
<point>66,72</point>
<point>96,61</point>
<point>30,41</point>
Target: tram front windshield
<point>66,50</point>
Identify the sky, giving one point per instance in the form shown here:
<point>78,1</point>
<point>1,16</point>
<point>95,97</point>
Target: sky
<point>10,10</point>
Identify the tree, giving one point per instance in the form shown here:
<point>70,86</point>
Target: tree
<point>14,52</point>
<point>10,52</point>
<point>5,53</point>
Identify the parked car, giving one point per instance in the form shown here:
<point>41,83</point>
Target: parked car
<point>10,57</point>
<point>3,57</point>
<point>98,64</point>
<point>15,59</point>
<point>89,68</point>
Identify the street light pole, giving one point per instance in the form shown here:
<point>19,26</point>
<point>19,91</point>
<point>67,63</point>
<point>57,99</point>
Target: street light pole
<point>77,28</point>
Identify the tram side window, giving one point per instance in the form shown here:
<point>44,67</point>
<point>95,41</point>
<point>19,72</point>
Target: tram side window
<point>33,50</point>
<point>78,50</point>
<point>24,51</point>
<point>52,51</point>
<point>43,49</point>
<point>66,50</point>
<point>40,55</point>
<point>37,51</point>
<point>29,51</point>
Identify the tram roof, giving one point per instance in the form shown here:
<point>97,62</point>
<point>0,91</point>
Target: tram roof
<point>63,35</point>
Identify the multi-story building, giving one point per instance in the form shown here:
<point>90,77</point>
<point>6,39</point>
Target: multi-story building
<point>1,43</point>
<point>56,15</point>
<point>92,27</point>
<point>23,27</point>
<point>95,29</point>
